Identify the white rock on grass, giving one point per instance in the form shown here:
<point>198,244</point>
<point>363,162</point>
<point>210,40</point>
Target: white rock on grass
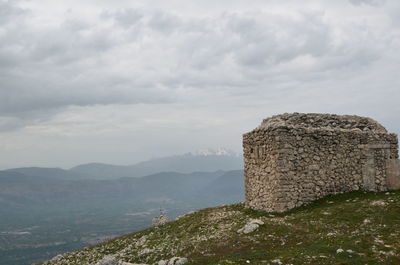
<point>57,258</point>
<point>367,221</point>
<point>112,260</point>
<point>173,261</point>
<point>378,203</point>
<point>141,241</point>
<point>339,251</point>
<point>277,262</point>
<point>145,251</point>
<point>127,263</point>
<point>108,260</point>
<point>251,226</point>
<point>181,261</point>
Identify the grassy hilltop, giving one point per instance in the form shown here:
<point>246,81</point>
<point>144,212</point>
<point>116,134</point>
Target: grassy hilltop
<point>352,228</point>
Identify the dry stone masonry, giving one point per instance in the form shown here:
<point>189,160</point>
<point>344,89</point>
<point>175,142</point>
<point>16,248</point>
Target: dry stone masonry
<point>160,220</point>
<point>293,159</point>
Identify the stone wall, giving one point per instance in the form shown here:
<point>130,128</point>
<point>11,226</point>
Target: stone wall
<point>393,179</point>
<point>160,220</point>
<point>291,162</point>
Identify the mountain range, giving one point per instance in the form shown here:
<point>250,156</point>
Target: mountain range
<point>187,163</point>
<point>207,160</point>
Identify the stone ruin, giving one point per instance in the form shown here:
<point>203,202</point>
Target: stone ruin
<point>160,220</point>
<point>294,159</point>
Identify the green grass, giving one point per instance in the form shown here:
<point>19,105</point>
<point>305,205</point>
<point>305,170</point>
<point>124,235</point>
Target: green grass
<point>312,234</point>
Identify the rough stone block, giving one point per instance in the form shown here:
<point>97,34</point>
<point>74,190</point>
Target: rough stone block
<point>393,174</point>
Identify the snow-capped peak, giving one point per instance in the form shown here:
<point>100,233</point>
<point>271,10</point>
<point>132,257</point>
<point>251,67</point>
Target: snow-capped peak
<point>210,151</point>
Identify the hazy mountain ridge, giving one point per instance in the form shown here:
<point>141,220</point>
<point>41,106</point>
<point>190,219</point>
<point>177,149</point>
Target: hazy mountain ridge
<point>48,172</point>
<point>35,190</point>
<point>207,160</point>
<point>187,163</point>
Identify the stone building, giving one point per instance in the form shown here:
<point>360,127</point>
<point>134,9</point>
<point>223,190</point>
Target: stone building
<point>293,159</point>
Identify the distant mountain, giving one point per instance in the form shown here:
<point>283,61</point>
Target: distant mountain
<point>48,172</point>
<point>175,186</point>
<point>207,160</point>
<point>227,187</point>
<point>203,161</point>
<point>103,171</point>
<point>10,175</point>
<point>219,152</point>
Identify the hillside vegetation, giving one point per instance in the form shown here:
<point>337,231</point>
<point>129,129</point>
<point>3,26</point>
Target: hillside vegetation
<point>352,228</point>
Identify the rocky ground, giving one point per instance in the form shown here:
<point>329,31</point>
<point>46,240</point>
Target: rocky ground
<point>353,228</point>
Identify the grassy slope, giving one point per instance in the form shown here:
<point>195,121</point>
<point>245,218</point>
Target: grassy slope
<point>307,235</point>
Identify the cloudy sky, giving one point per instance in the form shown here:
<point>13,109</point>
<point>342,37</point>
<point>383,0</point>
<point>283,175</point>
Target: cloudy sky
<point>123,81</point>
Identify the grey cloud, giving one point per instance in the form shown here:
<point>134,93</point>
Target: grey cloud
<point>43,72</point>
<point>393,9</point>
<point>22,97</point>
<point>266,43</point>
<point>11,123</point>
<point>70,42</point>
<point>127,18</point>
<point>164,22</point>
<point>276,41</point>
<point>368,2</point>
<point>157,20</point>
<point>8,58</point>
<point>80,63</point>
<point>11,27</point>
<point>8,11</point>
